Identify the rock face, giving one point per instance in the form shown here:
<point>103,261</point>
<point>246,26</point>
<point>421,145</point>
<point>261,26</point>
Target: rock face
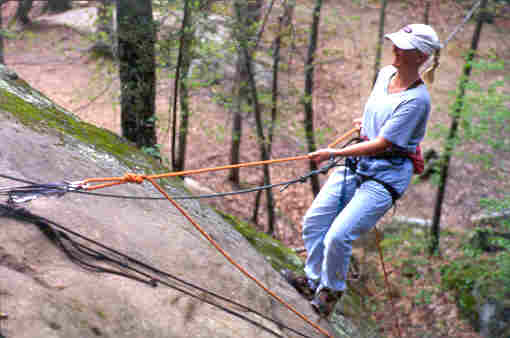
<point>44,294</point>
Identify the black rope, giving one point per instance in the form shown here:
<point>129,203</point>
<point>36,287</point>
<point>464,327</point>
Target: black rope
<point>60,234</point>
<point>79,254</point>
<point>62,188</point>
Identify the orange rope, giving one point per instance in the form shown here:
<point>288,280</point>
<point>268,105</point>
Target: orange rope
<point>344,137</point>
<point>227,256</point>
<point>112,181</point>
<point>131,178</point>
<point>134,178</point>
<point>388,287</point>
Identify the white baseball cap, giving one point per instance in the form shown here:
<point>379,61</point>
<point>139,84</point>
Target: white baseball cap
<point>416,36</point>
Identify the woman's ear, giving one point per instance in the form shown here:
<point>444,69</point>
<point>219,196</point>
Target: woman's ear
<point>422,58</point>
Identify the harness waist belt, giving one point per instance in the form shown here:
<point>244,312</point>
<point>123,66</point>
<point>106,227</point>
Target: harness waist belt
<point>351,164</point>
<point>391,154</point>
<point>393,192</point>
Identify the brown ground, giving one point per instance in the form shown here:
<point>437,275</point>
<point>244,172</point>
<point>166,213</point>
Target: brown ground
<point>51,59</point>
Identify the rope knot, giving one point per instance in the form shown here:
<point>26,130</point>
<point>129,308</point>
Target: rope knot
<point>133,178</point>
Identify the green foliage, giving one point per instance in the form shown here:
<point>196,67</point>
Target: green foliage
<point>460,277</point>
<point>490,276</point>
<point>485,115</point>
<point>412,241</point>
<point>503,269</point>
<point>423,297</point>
<point>496,204</point>
<point>8,34</point>
<point>154,151</point>
<point>476,276</point>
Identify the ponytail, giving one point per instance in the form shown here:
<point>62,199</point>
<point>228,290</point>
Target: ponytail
<point>428,74</point>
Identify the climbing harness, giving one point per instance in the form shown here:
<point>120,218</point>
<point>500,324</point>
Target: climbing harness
<point>351,164</point>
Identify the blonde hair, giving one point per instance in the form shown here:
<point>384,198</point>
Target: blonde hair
<point>428,74</point>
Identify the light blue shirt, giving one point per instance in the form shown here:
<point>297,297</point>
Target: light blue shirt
<point>400,118</point>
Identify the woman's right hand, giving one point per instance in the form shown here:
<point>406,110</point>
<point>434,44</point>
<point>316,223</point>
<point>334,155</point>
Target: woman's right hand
<point>357,122</point>
<point>322,155</point>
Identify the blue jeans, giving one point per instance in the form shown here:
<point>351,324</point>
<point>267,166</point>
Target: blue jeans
<point>337,218</point>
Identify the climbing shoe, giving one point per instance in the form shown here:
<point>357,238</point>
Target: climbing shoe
<point>302,284</point>
<point>324,301</point>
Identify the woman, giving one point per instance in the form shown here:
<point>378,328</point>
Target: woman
<point>350,203</point>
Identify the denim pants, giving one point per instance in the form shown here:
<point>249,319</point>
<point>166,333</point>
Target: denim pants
<point>337,218</point>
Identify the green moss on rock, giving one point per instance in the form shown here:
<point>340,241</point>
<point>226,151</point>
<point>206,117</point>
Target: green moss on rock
<point>36,111</point>
<point>277,254</point>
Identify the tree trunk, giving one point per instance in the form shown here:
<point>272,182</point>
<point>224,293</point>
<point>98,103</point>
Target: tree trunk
<point>274,98</point>
<point>2,58</point>
<point>382,16</point>
<point>240,96</point>
<point>308,98</point>
<point>256,207</point>
<point>58,6</point>
<point>450,142</point>
<point>181,84</point>
<point>247,14</point>
<point>237,129</point>
<point>22,11</point>
<point>426,13</point>
<point>136,38</point>
<point>261,139</point>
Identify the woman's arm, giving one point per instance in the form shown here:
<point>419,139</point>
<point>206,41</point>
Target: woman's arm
<point>367,148</point>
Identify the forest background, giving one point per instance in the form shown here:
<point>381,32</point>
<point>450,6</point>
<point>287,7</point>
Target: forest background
<point>77,72</point>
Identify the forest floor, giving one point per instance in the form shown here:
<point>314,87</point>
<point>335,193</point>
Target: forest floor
<point>54,59</point>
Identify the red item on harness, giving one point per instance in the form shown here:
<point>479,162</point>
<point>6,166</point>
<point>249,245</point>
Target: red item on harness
<point>416,158</point>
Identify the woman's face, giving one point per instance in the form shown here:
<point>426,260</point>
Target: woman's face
<point>411,58</point>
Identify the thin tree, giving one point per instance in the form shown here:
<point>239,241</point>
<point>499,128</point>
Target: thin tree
<point>58,6</point>
<point>308,96</point>
<point>2,58</point>
<point>283,20</point>
<point>237,124</point>
<point>136,38</point>
<point>378,51</point>
<point>261,139</point>
<point>248,14</point>
<point>24,7</point>
<point>452,135</point>
<point>181,82</point>
<point>426,13</point>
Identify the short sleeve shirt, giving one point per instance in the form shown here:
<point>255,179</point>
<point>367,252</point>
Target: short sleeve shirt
<point>400,118</point>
